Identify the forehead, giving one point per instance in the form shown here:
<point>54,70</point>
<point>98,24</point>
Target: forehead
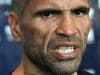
<point>64,4</point>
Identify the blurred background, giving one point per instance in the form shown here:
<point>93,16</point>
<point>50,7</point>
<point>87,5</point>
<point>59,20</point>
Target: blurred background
<point>10,51</point>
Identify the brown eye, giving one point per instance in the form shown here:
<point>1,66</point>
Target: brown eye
<point>80,11</point>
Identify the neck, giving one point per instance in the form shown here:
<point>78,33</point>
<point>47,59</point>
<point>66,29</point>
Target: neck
<point>28,68</point>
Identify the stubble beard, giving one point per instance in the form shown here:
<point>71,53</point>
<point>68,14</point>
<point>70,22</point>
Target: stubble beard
<point>46,63</point>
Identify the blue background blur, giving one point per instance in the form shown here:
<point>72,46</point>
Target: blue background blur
<point>10,51</point>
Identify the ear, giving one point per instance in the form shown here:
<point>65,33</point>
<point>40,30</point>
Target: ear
<point>14,25</point>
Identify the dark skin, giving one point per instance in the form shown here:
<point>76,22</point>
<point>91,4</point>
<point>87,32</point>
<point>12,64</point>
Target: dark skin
<point>53,34</point>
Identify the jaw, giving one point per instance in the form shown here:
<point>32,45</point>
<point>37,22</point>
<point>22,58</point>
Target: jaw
<point>62,57</point>
<point>60,66</point>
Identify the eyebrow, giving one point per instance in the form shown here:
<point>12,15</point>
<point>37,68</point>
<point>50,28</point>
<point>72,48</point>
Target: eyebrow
<point>78,7</point>
<point>53,10</point>
<point>58,11</point>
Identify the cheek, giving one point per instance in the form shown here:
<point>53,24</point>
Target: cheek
<point>84,31</point>
<point>84,27</point>
<point>44,29</point>
<point>31,34</point>
<point>36,36</point>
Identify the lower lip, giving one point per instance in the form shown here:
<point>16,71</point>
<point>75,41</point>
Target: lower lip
<point>65,56</point>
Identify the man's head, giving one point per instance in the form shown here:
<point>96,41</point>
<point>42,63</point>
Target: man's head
<point>53,32</point>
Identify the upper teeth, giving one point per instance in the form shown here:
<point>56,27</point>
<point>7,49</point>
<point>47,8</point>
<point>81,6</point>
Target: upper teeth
<point>66,49</point>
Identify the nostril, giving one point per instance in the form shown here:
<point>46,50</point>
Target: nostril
<point>66,30</point>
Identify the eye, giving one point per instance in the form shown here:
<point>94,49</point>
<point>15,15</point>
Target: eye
<point>47,13</point>
<point>80,11</point>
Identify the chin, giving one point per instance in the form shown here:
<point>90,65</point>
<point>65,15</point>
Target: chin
<point>63,67</point>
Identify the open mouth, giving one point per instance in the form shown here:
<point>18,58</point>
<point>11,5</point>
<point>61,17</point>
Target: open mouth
<point>65,51</point>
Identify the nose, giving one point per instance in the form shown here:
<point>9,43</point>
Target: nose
<point>66,26</point>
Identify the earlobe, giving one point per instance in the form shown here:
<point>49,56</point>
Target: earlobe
<point>14,25</point>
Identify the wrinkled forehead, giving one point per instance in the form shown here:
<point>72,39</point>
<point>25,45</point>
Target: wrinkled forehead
<point>65,4</point>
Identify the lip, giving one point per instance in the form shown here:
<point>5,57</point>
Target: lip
<point>65,56</point>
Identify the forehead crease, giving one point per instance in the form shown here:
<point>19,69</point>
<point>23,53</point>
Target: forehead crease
<point>70,3</point>
<point>65,2</point>
<point>58,3</point>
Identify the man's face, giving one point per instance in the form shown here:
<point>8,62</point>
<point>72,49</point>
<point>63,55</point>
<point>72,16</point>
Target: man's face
<point>55,33</point>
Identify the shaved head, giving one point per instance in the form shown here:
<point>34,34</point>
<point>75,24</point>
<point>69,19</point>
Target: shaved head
<point>19,5</point>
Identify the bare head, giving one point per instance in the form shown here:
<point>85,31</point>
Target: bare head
<point>19,5</point>
<point>53,32</point>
